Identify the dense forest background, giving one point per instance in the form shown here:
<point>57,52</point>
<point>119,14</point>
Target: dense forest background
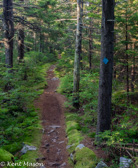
<point>38,33</point>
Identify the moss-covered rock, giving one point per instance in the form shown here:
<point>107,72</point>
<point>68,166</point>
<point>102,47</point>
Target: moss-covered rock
<point>5,155</point>
<point>74,138</point>
<point>85,158</point>
<point>72,117</point>
<point>85,164</point>
<point>72,125</point>
<point>70,162</point>
<point>82,158</point>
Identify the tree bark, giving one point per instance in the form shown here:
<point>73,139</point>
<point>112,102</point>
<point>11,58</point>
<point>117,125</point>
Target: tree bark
<point>21,42</point>
<point>8,25</point>
<point>127,66</point>
<point>114,66</point>
<point>114,70</point>
<point>41,43</point>
<point>133,72</point>
<point>77,56</point>
<point>81,13</point>
<point>21,38</point>
<point>90,44</point>
<point>106,69</point>
<point>35,49</point>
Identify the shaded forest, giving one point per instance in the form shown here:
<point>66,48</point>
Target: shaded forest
<point>93,48</point>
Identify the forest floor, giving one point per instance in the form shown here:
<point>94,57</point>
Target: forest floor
<point>54,140</point>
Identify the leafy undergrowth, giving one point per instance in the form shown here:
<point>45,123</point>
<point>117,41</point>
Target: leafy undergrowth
<point>19,119</point>
<point>88,97</point>
<point>87,116</point>
<point>124,120</point>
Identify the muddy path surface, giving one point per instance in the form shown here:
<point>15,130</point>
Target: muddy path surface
<point>54,141</point>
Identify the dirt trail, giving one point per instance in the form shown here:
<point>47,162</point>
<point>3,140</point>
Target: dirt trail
<point>54,139</point>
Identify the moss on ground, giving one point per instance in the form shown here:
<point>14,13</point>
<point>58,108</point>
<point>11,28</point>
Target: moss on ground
<point>28,158</point>
<point>34,135</point>
<point>72,116</point>
<point>83,158</point>
<point>5,156</point>
<point>28,126</point>
<point>12,148</point>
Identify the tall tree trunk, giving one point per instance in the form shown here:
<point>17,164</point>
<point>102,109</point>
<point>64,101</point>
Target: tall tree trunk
<point>77,56</point>
<point>127,66</point>
<point>8,25</point>
<point>90,44</point>
<point>114,72</point>
<point>106,66</point>
<point>133,72</point>
<point>41,42</point>
<point>21,41</point>
<point>21,38</point>
<point>81,13</point>
<point>35,49</point>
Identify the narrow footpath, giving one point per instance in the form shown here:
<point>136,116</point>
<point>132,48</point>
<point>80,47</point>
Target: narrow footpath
<point>54,141</point>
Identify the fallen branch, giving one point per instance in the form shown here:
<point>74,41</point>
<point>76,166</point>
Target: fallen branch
<point>64,19</point>
<point>129,149</point>
<point>124,147</point>
<point>120,144</point>
<point>131,157</point>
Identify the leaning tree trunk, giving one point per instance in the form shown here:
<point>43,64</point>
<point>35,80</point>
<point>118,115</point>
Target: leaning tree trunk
<point>77,56</point>
<point>106,66</point>
<point>8,26</point>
